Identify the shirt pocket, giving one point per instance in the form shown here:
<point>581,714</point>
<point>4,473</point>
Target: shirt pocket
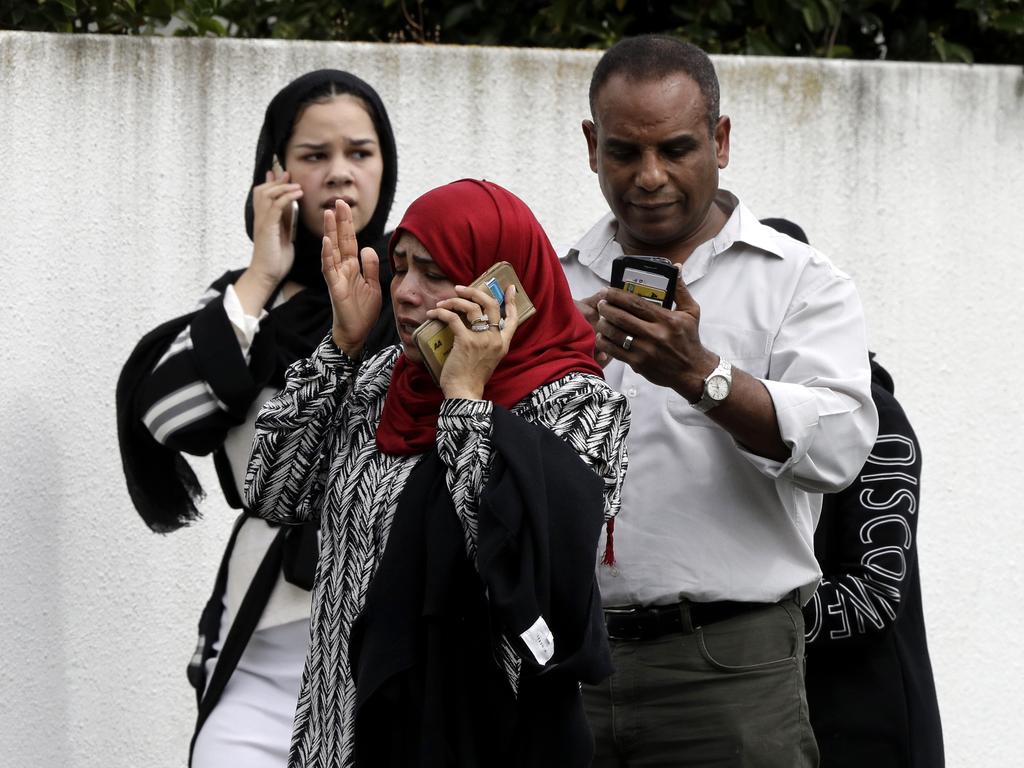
<point>746,348</point>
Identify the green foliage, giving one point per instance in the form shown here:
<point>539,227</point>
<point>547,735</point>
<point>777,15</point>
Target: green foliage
<point>924,30</point>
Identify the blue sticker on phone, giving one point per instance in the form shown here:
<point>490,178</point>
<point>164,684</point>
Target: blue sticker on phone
<point>498,294</point>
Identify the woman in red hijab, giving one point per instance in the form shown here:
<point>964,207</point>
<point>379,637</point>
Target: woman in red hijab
<point>455,610</point>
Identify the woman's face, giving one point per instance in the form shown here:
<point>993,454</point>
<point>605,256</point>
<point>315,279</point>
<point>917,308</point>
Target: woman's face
<point>334,153</point>
<point>417,287</point>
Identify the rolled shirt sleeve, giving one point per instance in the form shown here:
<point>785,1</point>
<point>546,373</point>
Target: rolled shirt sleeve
<point>820,383</point>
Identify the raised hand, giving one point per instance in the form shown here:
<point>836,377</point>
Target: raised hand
<point>355,293</point>
<point>475,354</point>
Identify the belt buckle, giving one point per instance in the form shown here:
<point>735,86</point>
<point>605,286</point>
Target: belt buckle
<point>624,611</point>
<point>634,611</point>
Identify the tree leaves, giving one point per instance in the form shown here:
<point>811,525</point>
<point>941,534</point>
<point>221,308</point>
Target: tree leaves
<point>953,31</point>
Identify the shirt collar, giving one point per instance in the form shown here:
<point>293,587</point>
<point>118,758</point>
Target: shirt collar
<point>598,247</point>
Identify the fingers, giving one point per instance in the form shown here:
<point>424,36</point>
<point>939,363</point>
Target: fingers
<point>625,322</point>
<point>274,197</point>
<point>631,304</point>
<point>511,315</point>
<point>615,321</point>
<point>276,170</point>
<point>331,230</point>
<point>277,201</point>
<point>284,200</point>
<point>588,308</point>
<point>684,299</point>
<point>474,303</point>
<point>481,350</point>
<point>470,310</point>
<point>611,340</point>
<point>274,186</point>
<point>370,263</point>
<point>328,260</point>
<point>590,301</point>
<point>274,175</point>
<point>346,234</point>
<point>485,299</point>
<point>452,319</point>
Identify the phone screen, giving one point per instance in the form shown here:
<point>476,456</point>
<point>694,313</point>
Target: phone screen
<point>646,285</point>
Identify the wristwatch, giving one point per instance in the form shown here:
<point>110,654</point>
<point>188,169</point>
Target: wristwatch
<point>717,386</point>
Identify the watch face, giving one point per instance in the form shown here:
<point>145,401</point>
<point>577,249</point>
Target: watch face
<point>718,387</point>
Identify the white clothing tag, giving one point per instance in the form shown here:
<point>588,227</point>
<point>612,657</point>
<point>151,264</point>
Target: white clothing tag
<point>540,641</point>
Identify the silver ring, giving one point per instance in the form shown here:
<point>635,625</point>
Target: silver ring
<point>480,326</point>
<point>627,343</point>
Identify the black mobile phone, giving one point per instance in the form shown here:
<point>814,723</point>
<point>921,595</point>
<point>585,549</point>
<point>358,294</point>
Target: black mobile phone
<point>652,278</point>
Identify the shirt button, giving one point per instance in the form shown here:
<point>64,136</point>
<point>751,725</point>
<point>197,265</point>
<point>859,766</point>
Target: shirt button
<point>631,392</point>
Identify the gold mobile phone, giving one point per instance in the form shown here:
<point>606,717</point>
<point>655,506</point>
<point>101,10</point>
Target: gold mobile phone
<point>435,339</point>
<point>293,224</point>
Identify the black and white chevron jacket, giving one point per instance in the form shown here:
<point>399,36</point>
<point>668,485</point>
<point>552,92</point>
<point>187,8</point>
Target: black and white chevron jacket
<point>315,456</point>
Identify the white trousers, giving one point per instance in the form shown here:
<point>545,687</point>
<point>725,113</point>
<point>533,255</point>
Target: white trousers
<point>251,725</point>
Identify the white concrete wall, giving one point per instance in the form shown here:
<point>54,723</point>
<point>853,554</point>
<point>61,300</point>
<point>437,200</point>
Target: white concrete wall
<point>123,168</point>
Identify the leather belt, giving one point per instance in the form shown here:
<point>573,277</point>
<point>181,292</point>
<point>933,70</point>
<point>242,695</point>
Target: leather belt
<point>650,622</point>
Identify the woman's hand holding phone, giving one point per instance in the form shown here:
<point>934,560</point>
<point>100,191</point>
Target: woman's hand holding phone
<point>355,293</point>
<point>475,354</point>
<point>272,250</point>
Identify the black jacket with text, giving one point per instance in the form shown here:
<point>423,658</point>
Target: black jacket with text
<point>869,679</point>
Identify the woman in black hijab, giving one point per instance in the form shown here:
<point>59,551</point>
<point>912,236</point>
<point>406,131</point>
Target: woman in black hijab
<point>194,385</point>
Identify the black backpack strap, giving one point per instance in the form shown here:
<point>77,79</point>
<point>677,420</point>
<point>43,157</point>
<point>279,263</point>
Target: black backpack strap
<point>249,613</point>
<point>209,621</point>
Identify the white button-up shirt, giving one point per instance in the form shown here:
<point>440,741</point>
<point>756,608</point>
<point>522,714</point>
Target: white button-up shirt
<point>701,517</point>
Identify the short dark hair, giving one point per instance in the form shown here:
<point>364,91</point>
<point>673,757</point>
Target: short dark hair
<point>651,57</point>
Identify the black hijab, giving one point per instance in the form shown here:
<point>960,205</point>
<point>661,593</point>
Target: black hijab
<point>162,485</point>
<point>277,130</point>
<point>301,323</point>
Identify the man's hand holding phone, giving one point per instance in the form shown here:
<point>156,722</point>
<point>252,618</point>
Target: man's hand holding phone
<point>650,278</point>
<point>354,288</point>
<point>662,345</point>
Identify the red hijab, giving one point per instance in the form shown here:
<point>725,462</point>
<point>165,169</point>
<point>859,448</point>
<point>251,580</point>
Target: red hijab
<point>467,226</point>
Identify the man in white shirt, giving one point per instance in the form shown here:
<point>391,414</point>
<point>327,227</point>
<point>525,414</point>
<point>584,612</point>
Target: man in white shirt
<point>749,399</point>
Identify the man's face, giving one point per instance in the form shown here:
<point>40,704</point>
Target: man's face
<point>656,161</point>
